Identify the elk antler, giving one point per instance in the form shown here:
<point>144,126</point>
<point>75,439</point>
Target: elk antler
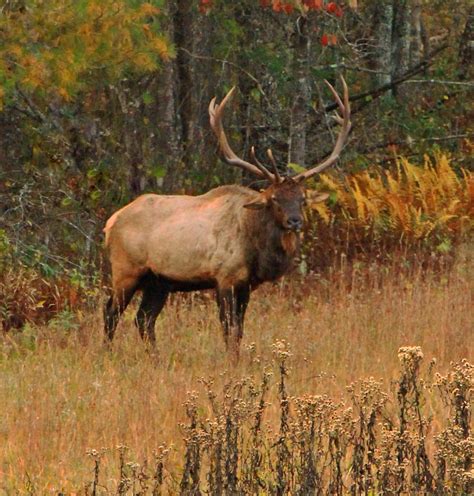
<point>215,116</point>
<point>344,133</point>
<point>274,165</point>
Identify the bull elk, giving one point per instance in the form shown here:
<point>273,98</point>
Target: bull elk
<point>231,239</point>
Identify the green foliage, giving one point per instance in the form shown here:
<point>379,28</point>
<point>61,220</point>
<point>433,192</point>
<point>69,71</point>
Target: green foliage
<point>64,321</point>
<point>5,249</point>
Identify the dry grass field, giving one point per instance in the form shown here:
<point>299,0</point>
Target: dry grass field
<point>63,393</point>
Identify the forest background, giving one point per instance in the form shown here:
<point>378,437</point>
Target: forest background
<point>104,100</point>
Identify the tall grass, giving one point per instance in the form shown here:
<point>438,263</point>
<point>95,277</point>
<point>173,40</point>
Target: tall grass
<point>64,395</point>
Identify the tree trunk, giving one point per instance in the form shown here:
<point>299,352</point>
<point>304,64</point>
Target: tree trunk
<point>202,91</point>
<point>466,47</point>
<point>168,142</point>
<point>400,42</point>
<point>169,151</point>
<point>131,141</point>
<point>382,32</point>
<point>184,43</point>
<point>416,41</point>
<point>193,40</point>
<point>302,96</point>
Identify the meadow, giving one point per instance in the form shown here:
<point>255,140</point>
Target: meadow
<point>139,417</point>
<point>356,373</point>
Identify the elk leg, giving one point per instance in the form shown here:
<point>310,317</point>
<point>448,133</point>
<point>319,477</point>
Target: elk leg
<point>243,296</point>
<point>114,308</point>
<point>153,301</point>
<point>232,304</point>
<point>225,303</point>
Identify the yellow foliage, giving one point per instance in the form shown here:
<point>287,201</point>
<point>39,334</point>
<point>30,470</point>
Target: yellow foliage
<point>160,46</point>
<point>149,9</point>
<point>145,61</point>
<point>412,204</point>
<point>323,211</point>
<point>15,50</point>
<point>64,93</point>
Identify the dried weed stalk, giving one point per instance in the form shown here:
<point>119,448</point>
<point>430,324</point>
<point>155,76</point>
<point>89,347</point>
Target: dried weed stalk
<point>379,443</point>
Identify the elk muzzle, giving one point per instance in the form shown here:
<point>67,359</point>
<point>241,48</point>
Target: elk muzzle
<point>294,223</point>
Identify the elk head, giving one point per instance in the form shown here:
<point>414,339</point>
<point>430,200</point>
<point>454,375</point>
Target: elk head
<point>285,197</point>
<point>286,201</point>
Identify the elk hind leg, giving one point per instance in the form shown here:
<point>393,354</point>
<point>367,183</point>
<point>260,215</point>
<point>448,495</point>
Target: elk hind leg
<point>116,305</point>
<point>153,301</point>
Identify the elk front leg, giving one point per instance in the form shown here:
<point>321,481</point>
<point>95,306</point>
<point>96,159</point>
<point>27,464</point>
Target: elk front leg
<point>232,304</point>
<point>153,301</point>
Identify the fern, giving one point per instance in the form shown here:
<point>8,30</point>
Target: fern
<point>414,208</point>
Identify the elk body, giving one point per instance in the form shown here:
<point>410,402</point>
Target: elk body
<point>231,239</point>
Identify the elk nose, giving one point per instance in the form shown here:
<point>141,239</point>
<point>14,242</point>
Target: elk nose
<point>294,223</point>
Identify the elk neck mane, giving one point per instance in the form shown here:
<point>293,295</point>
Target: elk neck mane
<point>270,248</point>
<point>273,249</point>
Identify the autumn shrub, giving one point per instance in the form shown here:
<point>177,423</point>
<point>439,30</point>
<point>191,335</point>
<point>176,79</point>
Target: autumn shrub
<point>413,212</point>
<point>29,295</point>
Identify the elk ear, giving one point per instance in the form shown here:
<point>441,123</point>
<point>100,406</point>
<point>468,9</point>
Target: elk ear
<point>315,197</point>
<point>257,204</point>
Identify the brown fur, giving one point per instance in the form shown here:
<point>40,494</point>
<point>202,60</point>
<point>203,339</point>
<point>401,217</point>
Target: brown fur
<point>231,238</point>
<point>289,241</point>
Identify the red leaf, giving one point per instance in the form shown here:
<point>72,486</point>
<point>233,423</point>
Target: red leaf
<point>334,8</point>
<point>205,6</point>
<point>324,40</point>
<point>313,4</point>
<point>288,8</point>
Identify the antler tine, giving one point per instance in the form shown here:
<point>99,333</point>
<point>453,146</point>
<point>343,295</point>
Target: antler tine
<point>215,117</point>
<point>335,94</point>
<point>344,106</point>
<point>259,164</point>
<point>274,165</point>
